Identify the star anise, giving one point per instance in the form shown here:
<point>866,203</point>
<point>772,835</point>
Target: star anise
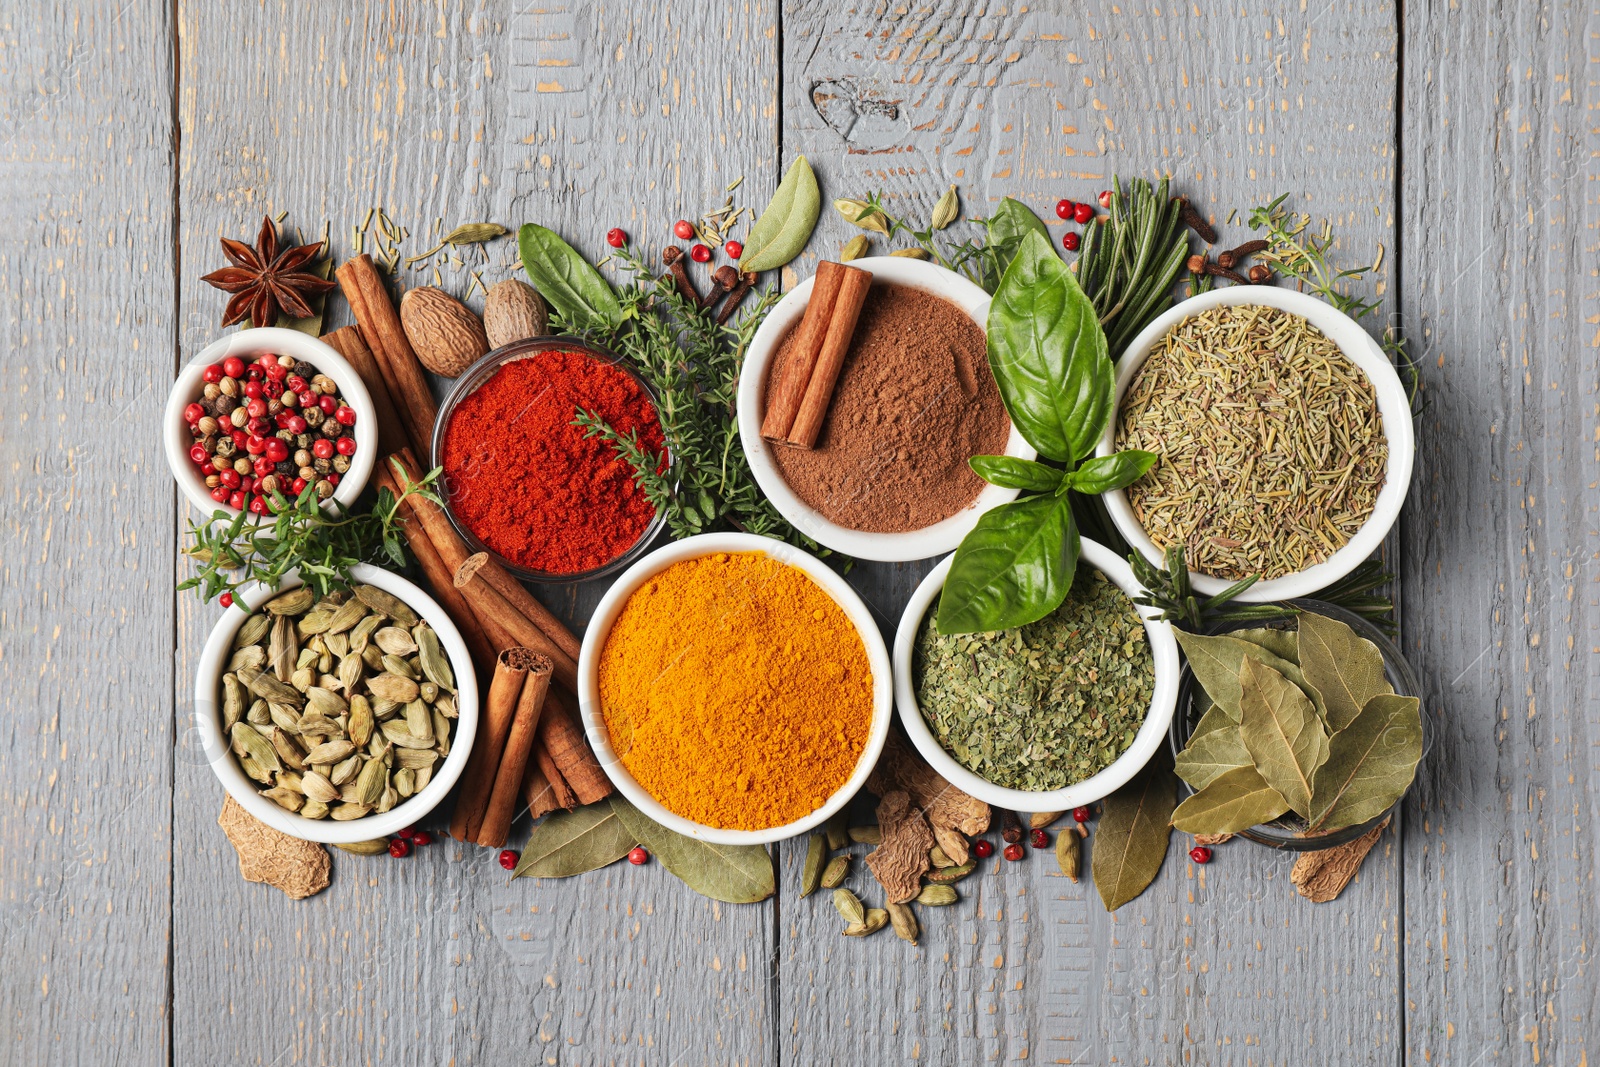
<point>263,279</point>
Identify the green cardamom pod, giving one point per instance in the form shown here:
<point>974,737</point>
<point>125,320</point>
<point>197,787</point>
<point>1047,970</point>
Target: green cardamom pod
<point>293,602</point>
<point>855,248</point>
<point>833,876</point>
<point>369,784</point>
<point>399,665</point>
<point>253,630</point>
<point>874,920</point>
<point>387,604</point>
<point>946,210</point>
<point>377,846</point>
<point>1069,853</point>
<point>361,720</point>
<point>838,830</point>
<point>911,253</point>
<point>475,233</point>
<point>248,742</point>
<point>863,214</point>
<point>937,896</point>
<point>946,875</point>
<point>435,664</point>
<point>849,905</point>
<point>904,921</point>
<point>313,809</point>
<point>811,872</point>
<point>937,857</point>
<point>232,701</point>
<point>866,835</point>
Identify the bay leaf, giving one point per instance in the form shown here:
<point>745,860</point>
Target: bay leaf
<point>571,842</point>
<point>737,874</point>
<point>1214,749</point>
<point>1130,843</point>
<point>1344,668</point>
<point>1233,801</point>
<point>1282,732</point>
<point>1371,763</point>
<point>1215,662</point>
<point>1285,644</point>
<point>785,226</point>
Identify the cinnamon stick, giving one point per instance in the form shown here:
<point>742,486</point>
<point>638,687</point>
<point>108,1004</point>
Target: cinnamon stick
<point>477,780</point>
<point>830,360</point>
<point>562,737</point>
<point>518,597</point>
<point>348,343</point>
<point>502,806</point>
<point>369,300</point>
<point>560,792</point>
<point>491,605</point>
<point>789,390</point>
<point>536,787</point>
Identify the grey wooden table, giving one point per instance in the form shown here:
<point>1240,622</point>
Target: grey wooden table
<point>1459,136</point>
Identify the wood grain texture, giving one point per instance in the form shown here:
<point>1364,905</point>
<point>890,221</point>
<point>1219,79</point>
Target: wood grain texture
<point>581,118</point>
<point>1045,102</point>
<point>1503,586</point>
<point>85,532</point>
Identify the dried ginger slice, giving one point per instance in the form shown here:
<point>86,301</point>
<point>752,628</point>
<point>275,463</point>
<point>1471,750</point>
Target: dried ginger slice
<point>950,812</point>
<point>299,868</point>
<point>1321,876</point>
<point>901,861</point>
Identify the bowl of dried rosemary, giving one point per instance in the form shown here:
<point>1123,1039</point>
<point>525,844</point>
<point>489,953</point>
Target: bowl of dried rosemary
<point>1284,440</point>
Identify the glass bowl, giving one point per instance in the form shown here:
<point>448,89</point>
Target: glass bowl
<point>1288,833</point>
<point>468,383</point>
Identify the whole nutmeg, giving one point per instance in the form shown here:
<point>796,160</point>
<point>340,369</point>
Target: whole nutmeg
<point>445,333</point>
<point>514,311</point>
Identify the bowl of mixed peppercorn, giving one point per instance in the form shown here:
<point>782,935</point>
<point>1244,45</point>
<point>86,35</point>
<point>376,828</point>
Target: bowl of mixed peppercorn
<point>269,411</point>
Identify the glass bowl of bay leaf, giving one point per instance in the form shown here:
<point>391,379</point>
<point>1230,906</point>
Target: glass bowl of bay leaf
<point>1146,740</point>
<point>1352,658</point>
<point>229,637</point>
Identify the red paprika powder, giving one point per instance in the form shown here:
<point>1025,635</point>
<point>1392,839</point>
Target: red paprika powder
<point>528,483</point>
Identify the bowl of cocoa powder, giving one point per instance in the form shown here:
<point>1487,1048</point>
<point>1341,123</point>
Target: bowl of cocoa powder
<point>888,476</point>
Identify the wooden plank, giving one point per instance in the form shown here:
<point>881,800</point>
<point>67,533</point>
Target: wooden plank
<point>1043,102</point>
<point>1503,605</point>
<point>580,118</point>
<point>85,567</point>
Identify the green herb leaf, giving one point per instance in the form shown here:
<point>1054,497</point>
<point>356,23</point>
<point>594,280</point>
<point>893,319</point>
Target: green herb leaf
<point>737,874</point>
<point>1233,801</point>
<point>1105,473</point>
<point>565,279</point>
<point>1282,732</point>
<point>1015,567</point>
<point>1010,473</point>
<point>1048,354</point>
<point>785,226</point>
<point>1130,842</point>
<point>1214,749</point>
<point>1346,669</point>
<point>1217,661</point>
<point>1371,763</point>
<point>572,842</point>
<point>1011,222</point>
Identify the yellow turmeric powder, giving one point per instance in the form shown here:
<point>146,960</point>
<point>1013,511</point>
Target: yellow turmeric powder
<point>736,691</point>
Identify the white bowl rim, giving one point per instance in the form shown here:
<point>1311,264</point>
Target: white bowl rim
<point>902,547</point>
<point>208,717</point>
<point>605,615</point>
<point>1152,734</point>
<point>1394,405</point>
<point>251,342</point>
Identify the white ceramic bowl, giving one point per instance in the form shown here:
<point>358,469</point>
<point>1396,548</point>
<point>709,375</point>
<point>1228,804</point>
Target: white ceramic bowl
<point>610,607</point>
<point>933,540</point>
<point>247,344</point>
<point>1393,405</point>
<point>208,717</point>
<point>1151,736</point>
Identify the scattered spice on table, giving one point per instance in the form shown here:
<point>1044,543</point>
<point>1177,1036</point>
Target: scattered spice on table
<point>736,691</point>
<point>1045,705</point>
<point>1272,447</point>
<point>529,484</point>
<point>914,401</point>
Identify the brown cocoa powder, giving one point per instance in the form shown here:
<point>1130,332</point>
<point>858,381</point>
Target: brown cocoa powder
<point>914,402</point>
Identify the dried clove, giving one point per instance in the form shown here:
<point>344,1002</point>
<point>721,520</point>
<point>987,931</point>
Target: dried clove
<point>1010,826</point>
<point>1234,256</point>
<point>1195,221</point>
<point>672,257</point>
<point>1260,274</point>
<point>747,281</point>
<point>1199,264</point>
<point>723,279</point>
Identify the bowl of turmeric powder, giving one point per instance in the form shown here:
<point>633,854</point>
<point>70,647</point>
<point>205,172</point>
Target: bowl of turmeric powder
<point>735,689</point>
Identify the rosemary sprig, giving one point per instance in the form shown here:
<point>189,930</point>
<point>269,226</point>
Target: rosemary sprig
<point>1170,593</point>
<point>1353,592</point>
<point>1130,259</point>
<point>323,545</point>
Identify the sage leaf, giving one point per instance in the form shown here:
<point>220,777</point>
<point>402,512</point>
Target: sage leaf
<point>785,226</point>
<point>1234,801</point>
<point>737,874</point>
<point>1048,354</point>
<point>1282,732</point>
<point>1010,223</point>
<point>1130,843</point>
<point>1015,567</point>
<point>1105,473</point>
<point>1344,668</point>
<point>1214,749</point>
<point>1217,661</point>
<point>572,842</point>
<point>567,282</point>
<point>1371,763</point>
<point>1011,473</point>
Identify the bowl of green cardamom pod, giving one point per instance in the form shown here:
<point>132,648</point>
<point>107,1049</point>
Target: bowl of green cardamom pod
<point>338,717</point>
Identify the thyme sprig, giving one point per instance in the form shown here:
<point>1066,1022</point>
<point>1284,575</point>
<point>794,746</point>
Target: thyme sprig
<point>323,544</point>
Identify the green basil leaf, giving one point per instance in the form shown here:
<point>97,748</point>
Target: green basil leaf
<point>1130,841</point>
<point>785,226</point>
<point>1371,763</point>
<point>1049,355</point>
<point>565,279</point>
<point>1010,473</point>
<point>1282,732</point>
<point>572,842</point>
<point>1235,800</point>
<point>738,874</point>
<point>1010,223</point>
<point>1105,473</point>
<point>1015,567</point>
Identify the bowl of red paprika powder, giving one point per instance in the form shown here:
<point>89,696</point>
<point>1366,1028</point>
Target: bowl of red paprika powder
<point>548,499</point>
